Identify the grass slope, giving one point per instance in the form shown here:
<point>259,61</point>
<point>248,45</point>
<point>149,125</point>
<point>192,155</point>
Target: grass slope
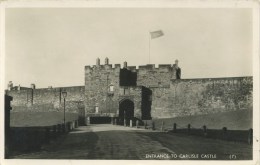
<point>38,119</point>
<point>234,120</point>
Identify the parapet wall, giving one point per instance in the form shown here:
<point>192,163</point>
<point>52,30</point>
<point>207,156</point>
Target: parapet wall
<point>108,67</point>
<point>148,67</point>
<point>202,96</point>
<point>147,75</point>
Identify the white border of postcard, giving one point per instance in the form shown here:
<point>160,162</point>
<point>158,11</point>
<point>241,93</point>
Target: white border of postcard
<point>254,5</point>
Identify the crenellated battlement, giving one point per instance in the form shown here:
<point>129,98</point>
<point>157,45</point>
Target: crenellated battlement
<point>147,66</point>
<point>143,75</point>
<point>132,68</point>
<point>102,68</point>
<point>142,68</point>
<point>99,67</point>
<point>219,80</point>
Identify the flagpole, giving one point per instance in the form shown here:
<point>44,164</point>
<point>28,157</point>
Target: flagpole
<point>149,45</point>
<point>152,35</point>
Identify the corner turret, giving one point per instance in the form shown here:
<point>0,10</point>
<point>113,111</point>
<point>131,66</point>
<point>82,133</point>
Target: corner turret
<point>125,64</point>
<point>97,62</point>
<point>106,61</point>
<point>10,85</point>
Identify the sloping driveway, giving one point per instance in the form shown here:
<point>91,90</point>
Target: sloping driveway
<point>118,142</point>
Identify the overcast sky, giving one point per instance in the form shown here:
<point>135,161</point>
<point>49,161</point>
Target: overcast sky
<point>50,47</point>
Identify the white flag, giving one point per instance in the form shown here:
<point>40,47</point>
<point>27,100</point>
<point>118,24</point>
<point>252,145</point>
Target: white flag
<point>156,34</point>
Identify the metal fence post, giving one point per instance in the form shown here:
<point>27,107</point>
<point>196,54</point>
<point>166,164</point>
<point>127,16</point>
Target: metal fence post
<point>188,128</point>
<point>174,127</point>
<point>205,130</point>
<point>250,136</point>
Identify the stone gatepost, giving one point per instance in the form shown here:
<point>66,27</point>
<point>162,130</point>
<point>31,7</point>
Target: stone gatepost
<point>76,124</point>
<point>137,123</point>
<point>162,126</point>
<point>73,125</point>
<point>88,120</point>
<point>131,123</point>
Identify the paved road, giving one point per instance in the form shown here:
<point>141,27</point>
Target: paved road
<point>118,142</point>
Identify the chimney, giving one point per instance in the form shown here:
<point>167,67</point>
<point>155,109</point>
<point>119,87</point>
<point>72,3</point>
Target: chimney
<point>106,61</point>
<point>97,62</point>
<point>176,63</point>
<point>33,86</point>
<point>10,85</point>
<point>125,64</point>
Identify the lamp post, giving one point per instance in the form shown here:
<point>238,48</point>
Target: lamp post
<point>124,119</point>
<point>64,94</point>
<point>110,94</point>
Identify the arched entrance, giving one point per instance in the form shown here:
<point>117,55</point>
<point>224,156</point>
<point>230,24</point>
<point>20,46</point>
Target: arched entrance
<point>126,111</point>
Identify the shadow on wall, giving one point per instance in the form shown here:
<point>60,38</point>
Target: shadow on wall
<point>8,108</point>
<point>146,103</point>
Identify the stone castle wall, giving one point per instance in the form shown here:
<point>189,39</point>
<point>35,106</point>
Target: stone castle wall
<point>202,96</point>
<point>47,99</point>
<point>170,97</point>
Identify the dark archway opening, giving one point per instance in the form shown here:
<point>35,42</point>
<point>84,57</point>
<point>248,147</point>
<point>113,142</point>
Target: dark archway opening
<point>100,120</point>
<point>146,103</point>
<point>126,112</point>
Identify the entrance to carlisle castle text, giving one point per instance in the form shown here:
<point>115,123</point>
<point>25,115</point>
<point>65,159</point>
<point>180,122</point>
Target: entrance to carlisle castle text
<point>126,111</point>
